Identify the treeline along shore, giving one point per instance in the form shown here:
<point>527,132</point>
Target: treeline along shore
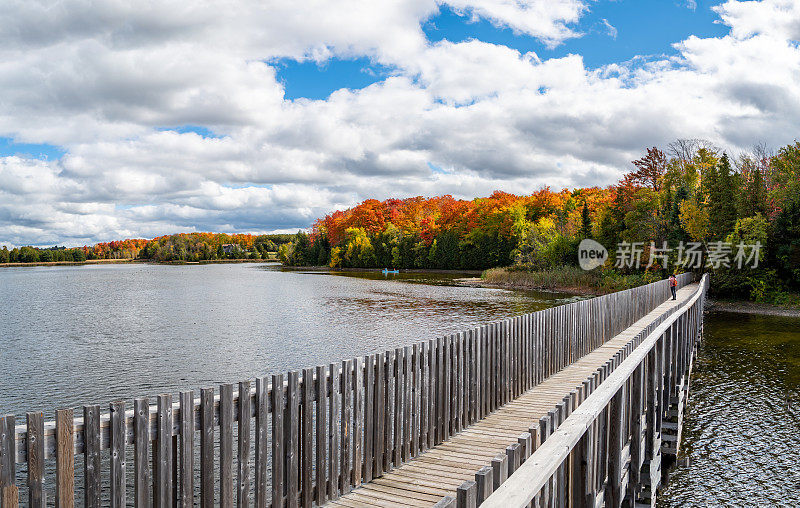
<point>688,206</point>
<point>178,248</point>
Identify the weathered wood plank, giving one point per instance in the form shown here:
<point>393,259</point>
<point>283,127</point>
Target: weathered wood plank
<point>389,416</point>
<point>117,453</point>
<point>91,456</point>
<point>416,404</point>
<point>379,440</point>
<point>408,383</point>
<point>243,446</point>
<point>278,436</point>
<point>8,451</point>
<point>142,493</point>
<point>207,448</point>
<point>334,431</point>
<point>65,458</point>
<point>358,421</point>
<point>369,418</point>
<point>346,429</point>
<point>292,431</point>
<point>399,404</point>
<point>35,441</point>
<point>186,450</point>
<point>226,445</point>
<point>9,496</point>
<point>162,471</point>
<point>307,439</point>
<point>467,495</point>
<point>322,433</point>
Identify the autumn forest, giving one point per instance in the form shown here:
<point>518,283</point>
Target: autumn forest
<point>686,193</point>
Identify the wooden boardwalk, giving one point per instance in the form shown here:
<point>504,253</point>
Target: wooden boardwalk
<point>438,472</point>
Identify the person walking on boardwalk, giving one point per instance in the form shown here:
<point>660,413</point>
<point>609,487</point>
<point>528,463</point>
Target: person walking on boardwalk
<point>673,286</point>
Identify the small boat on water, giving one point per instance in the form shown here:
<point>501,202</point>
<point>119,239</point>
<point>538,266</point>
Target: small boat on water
<point>386,271</point>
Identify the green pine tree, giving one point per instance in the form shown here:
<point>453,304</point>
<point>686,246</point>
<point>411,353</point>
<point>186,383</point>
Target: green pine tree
<point>721,199</point>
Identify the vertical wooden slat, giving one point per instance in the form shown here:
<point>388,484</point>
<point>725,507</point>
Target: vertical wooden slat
<point>142,495</point>
<point>474,374</point>
<point>207,447</point>
<point>91,456</point>
<point>292,430</point>
<point>431,392</point>
<point>307,439</point>
<point>467,494</point>
<point>458,396</point>
<point>162,469</point>
<point>186,447</point>
<point>65,458</point>
<point>408,376</point>
<point>484,481</point>
<point>35,442</point>
<point>424,387</point>
<point>176,490</point>
<point>399,403</point>
<point>438,404</point>
<point>243,448</point>
<point>9,496</point>
<point>358,420</point>
<point>513,454</point>
<point>416,409</point>
<point>388,447</point>
<point>334,431</point>
<point>117,453</point>
<point>447,379</point>
<point>346,429</point>
<point>278,451</point>
<point>226,445</point>
<point>379,440</point>
<point>369,417</point>
<point>8,451</point>
<point>499,471</point>
<point>322,433</point>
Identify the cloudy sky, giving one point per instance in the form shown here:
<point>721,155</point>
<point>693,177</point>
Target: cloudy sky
<point>134,119</point>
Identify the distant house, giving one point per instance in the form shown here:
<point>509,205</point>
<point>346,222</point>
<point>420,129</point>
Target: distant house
<point>227,248</point>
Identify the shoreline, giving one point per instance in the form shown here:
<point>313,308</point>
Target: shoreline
<point>126,261</point>
<point>575,290</point>
<point>746,307</point>
<point>378,270</point>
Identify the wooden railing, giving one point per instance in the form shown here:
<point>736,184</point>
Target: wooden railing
<point>597,446</point>
<point>325,431</point>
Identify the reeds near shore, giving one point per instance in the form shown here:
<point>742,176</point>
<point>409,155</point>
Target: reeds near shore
<point>566,278</point>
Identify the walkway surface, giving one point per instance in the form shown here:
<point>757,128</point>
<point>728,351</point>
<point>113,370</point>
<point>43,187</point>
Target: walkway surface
<point>438,472</point>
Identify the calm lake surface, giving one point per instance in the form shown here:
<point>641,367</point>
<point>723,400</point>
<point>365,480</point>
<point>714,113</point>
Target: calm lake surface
<point>741,433</point>
<point>76,335</point>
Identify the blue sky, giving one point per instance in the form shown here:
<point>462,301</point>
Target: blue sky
<point>613,32</point>
<point>41,151</point>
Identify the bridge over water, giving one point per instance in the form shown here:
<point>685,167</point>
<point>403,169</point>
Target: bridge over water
<point>578,405</point>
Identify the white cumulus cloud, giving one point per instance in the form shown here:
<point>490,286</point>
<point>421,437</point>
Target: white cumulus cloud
<point>108,80</point>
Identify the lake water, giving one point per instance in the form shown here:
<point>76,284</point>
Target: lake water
<point>741,434</point>
<point>76,335</point>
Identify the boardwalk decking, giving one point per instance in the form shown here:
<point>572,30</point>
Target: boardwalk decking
<point>438,472</point>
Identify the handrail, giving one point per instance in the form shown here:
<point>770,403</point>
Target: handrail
<point>530,478</point>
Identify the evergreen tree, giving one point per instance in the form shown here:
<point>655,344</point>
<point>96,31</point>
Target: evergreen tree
<point>586,223</point>
<point>755,194</point>
<point>721,199</point>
